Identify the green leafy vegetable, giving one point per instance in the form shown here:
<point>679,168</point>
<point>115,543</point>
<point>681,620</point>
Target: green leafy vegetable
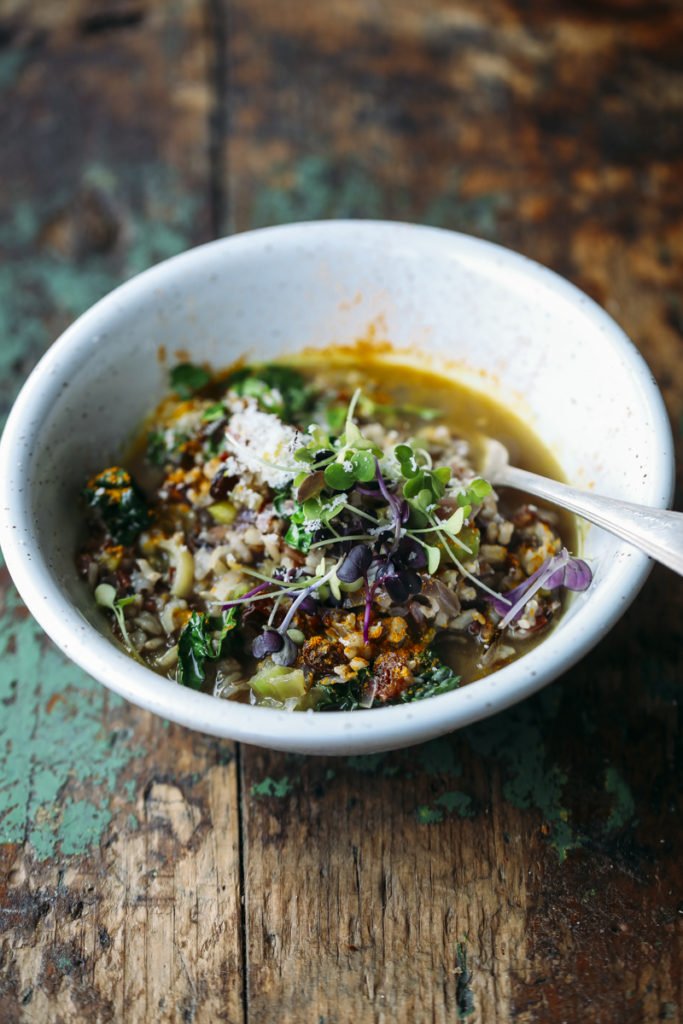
<point>297,536</point>
<point>105,597</point>
<point>342,696</point>
<point>120,504</point>
<point>434,678</point>
<point>204,638</point>
<point>186,378</point>
<point>277,389</point>
<point>164,446</point>
<point>431,679</point>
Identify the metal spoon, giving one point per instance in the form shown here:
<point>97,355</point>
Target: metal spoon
<point>657,532</point>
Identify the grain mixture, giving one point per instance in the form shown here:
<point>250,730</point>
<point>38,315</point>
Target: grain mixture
<point>312,541</point>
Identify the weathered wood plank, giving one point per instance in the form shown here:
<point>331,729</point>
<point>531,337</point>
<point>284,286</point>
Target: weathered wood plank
<point>542,844</point>
<point>119,890</point>
<point>551,128</point>
<point>104,149</point>
<point>123,902</point>
<point>543,840</point>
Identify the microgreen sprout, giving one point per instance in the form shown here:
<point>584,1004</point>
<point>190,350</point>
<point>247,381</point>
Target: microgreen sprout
<point>282,643</point>
<point>105,597</point>
<point>561,570</point>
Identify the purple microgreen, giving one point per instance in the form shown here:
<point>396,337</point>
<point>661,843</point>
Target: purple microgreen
<point>298,601</point>
<point>577,575</point>
<point>369,595</point>
<point>288,653</point>
<point>401,586</point>
<point>270,641</point>
<point>560,570</point>
<point>356,564</point>
<point>245,597</point>
<point>411,554</point>
<point>390,498</point>
<point>309,605</point>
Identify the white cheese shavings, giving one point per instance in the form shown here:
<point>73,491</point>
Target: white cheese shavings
<point>264,445</point>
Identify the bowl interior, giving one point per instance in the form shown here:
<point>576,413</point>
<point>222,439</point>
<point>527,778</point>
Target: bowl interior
<point>465,307</point>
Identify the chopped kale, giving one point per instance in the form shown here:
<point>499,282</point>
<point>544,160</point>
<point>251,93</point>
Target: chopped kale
<point>277,389</point>
<point>204,638</point>
<point>341,696</point>
<point>432,678</point>
<point>119,503</point>
<point>186,378</point>
<point>164,447</point>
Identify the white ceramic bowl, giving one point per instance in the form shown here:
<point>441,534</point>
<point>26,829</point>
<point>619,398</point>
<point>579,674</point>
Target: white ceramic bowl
<point>506,324</point>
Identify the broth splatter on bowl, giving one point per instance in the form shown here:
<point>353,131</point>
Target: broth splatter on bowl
<point>315,535</point>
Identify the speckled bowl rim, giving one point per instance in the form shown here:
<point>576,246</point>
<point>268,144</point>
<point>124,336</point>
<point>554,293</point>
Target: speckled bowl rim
<point>336,732</point>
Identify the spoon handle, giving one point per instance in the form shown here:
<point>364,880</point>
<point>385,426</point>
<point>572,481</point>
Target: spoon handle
<point>657,532</point>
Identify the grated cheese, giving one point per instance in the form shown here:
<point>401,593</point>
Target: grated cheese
<point>264,445</point>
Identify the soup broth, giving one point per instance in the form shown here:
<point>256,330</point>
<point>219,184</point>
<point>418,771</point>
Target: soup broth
<point>316,535</point>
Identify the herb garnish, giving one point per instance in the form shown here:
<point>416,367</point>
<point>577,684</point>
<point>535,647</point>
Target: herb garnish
<point>105,597</point>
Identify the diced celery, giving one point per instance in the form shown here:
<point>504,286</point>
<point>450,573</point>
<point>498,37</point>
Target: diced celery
<point>278,682</point>
<point>223,512</point>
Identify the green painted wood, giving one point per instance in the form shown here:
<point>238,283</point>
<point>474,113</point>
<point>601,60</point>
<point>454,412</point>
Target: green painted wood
<point>525,868</point>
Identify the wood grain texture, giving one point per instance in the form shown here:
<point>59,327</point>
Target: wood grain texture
<point>526,868</point>
<point>120,896</point>
<point>550,128</point>
<point>104,148</point>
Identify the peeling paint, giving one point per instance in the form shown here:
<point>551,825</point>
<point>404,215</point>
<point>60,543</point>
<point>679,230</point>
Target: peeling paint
<point>272,787</point>
<point>316,187</point>
<point>51,737</point>
<point>52,264</point>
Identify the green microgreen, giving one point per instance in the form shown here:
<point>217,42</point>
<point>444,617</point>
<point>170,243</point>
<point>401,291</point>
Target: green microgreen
<point>105,597</point>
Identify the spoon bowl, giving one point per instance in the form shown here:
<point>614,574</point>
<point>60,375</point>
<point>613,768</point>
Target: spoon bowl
<point>657,532</point>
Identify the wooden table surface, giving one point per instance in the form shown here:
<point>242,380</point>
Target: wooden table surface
<point>528,868</point>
